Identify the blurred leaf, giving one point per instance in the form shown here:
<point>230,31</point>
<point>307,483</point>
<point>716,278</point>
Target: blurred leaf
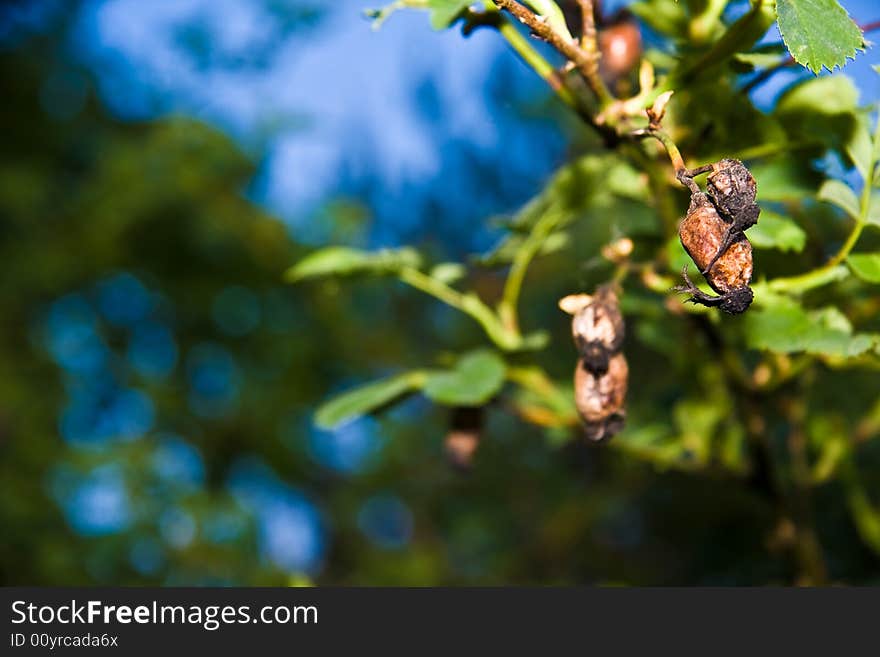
<point>366,399</point>
<point>474,380</point>
<point>664,17</point>
<point>824,95</point>
<point>581,184</point>
<point>344,261</point>
<point>507,248</point>
<point>774,231</point>
<point>754,60</point>
<point>860,149</point>
<point>839,194</point>
<point>874,209</point>
<point>444,12</point>
<point>818,32</point>
<point>785,327</point>
<point>784,179</point>
<point>448,272</point>
<point>866,266</point>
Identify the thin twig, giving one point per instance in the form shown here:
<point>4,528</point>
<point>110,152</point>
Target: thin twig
<point>587,63</point>
<point>590,46</point>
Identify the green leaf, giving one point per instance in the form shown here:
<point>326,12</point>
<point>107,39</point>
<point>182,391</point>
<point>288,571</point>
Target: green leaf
<point>474,380</point>
<point>818,33</point>
<point>448,272</point>
<point>865,265</point>
<point>828,95</point>
<point>839,194</point>
<point>344,261</point>
<point>874,210</point>
<point>366,399</point>
<point>860,148</point>
<point>665,17</point>
<point>444,12</point>
<point>758,59</point>
<point>773,231</point>
<point>785,327</point>
<point>783,179</point>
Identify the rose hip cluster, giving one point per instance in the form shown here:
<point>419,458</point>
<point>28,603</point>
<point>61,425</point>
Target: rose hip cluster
<point>600,378</point>
<point>712,233</point>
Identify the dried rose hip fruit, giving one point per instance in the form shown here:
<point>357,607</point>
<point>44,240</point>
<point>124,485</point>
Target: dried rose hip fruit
<point>600,399</point>
<point>597,326</point>
<point>600,378</point>
<point>713,235</point>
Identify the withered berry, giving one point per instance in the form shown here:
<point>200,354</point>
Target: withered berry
<point>597,326</point>
<point>600,399</point>
<point>712,234</point>
<point>733,190</point>
<point>600,378</point>
<point>702,233</point>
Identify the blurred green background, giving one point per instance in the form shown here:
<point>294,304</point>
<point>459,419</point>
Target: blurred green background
<point>162,164</point>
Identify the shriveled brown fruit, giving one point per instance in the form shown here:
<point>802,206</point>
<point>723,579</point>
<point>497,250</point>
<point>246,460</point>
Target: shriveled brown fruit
<point>597,325</point>
<point>464,436</point>
<point>600,399</point>
<point>702,233</point>
<point>731,187</point>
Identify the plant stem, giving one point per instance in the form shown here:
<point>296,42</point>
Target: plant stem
<point>585,61</point>
<point>507,308</point>
<point>667,142</point>
<point>590,46</point>
<point>536,62</point>
<point>469,304</point>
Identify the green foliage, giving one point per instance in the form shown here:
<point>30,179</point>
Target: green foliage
<point>444,12</point>
<point>818,33</point>
<point>366,399</point>
<point>838,193</point>
<point>475,379</point>
<point>785,327</point>
<point>448,272</point>
<point>343,261</point>
<point>775,231</point>
<point>865,265</point>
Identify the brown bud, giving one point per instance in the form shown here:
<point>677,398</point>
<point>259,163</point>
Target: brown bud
<point>597,326</point>
<point>600,399</point>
